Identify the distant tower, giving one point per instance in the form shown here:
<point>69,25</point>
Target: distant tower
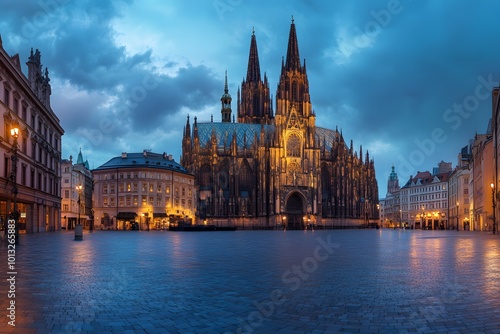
<point>254,101</point>
<point>226,103</point>
<point>393,182</point>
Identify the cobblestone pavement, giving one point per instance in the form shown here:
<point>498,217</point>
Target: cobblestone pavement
<point>348,281</point>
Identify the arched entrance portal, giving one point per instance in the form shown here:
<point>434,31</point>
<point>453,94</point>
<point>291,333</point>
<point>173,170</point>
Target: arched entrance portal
<point>295,212</point>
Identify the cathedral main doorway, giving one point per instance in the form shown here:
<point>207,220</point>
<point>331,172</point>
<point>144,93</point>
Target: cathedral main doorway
<point>295,212</point>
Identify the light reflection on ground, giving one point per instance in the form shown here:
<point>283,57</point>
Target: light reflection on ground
<point>361,281</point>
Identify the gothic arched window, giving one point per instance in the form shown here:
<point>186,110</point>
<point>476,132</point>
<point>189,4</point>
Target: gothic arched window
<point>205,176</point>
<point>293,146</point>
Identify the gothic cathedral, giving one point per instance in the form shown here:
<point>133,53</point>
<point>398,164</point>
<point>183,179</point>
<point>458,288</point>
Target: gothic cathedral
<point>277,169</point>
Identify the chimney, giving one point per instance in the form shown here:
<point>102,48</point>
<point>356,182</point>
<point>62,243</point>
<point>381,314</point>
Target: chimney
<point>124,155</point>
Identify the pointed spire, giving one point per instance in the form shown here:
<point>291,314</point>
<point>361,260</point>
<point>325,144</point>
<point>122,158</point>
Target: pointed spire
<point>79,160</point>
<point>226,90</point>
<point>253,70</point>
<point>187,128</point>
<point>292,54</point>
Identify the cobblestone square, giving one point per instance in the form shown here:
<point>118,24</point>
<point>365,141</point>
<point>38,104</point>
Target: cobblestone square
<point>333,281</point>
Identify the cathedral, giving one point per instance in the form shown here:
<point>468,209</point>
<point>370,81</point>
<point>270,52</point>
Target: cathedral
<point>276,168</point>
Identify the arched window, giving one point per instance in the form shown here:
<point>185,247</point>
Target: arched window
<point>293,146</point>
<point>205,176</point>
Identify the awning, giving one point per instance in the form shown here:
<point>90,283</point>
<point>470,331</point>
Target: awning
<point>126,215</point>
<point>160,215</point>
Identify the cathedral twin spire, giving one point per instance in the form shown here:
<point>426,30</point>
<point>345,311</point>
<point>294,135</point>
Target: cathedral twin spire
<point>254,99</point>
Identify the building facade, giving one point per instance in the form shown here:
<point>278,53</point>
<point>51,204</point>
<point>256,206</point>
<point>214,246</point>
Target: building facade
<point>424,200</point>
<point>483,178</point>
<point>277,168</point>
<point>142,191</point>
<point>30,162</point>
<point>391,215</point>
<point>460,198</point>
<point>76,193</point>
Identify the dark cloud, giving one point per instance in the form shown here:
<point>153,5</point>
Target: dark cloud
<point>386,72</point>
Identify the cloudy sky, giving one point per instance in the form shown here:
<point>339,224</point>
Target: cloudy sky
<point>410,81</point>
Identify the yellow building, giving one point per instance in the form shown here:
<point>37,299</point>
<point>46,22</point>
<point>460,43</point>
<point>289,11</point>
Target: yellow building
<point>142,191</point>
<point>482,156</point>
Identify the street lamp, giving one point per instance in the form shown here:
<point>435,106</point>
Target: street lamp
<point>493,202</point>
<point>14,131</point>
<point>78,227</point>
<point>458,213</point>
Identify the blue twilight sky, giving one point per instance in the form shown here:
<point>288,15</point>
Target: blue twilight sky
<point>410,81</point>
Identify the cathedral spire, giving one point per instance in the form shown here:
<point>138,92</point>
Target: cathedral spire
<point>292,54</point>
<point>253,70</point>
<point>226,103</point>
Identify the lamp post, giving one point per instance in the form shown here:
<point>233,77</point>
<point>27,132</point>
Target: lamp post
<point>494,213</point>
<point>458,213</point>
<point>78,227</point>
<point>14,131</point>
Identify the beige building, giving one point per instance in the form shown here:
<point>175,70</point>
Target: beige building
<point>76,193</point>
<point>460,197</point>
<point>391,215</point>
<point>29,163</point>
<point>482,169</point>
<point>142,191</point>
<point>495,117</point>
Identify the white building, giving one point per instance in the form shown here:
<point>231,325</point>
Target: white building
<point>424,200</point>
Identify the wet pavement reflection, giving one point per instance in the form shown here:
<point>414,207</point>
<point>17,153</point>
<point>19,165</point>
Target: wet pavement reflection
<point>354,281</point>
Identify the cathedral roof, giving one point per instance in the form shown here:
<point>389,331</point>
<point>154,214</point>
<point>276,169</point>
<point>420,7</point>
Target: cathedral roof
<point>326,137</point>
<point>224,132</point>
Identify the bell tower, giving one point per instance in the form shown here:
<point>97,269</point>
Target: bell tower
<point>226,103</point>
<point>254,101</point>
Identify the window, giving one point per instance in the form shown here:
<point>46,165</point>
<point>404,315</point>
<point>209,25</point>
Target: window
<point>66,193</point>
<point>6,96</point>
<point>129,186</point>
<point>293,146</point>
<point>144,200</point>
<point>129,199</point>
<point>151,186</point>
<point>144,187</point>
<point>16,106</point>
<point>136,200</point>
<point>65,207</point>
<point>23,175</point>
<point>105,201</point>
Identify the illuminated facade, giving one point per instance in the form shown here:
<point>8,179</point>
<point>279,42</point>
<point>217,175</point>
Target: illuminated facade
<point>142,191</point>
<point>76,202</point>
<point>277,168</point>
<point>391,213</point>
<point>32,181</point>
<point>424,199</point>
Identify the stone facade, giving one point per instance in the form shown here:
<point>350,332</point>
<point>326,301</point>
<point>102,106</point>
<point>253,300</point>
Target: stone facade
<point>277,168</point>
<point>142,191</point>
<point>32,181</point>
